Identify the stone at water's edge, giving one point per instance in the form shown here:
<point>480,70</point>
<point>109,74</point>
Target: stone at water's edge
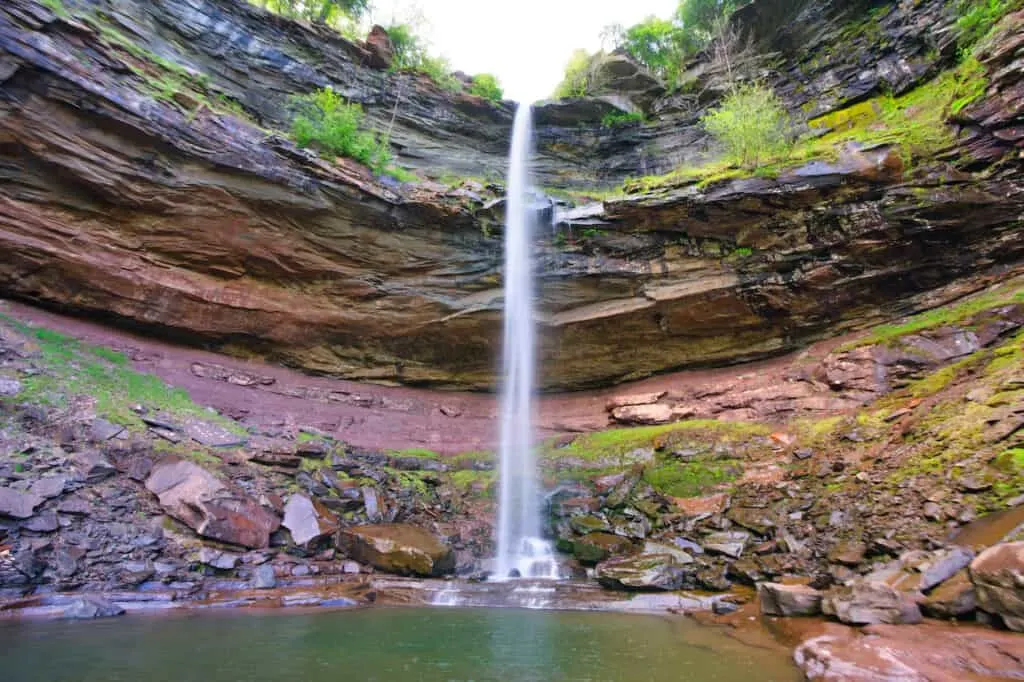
<point>931,652</point>
<point>595,547</point>
<point>88,608</point>
<point>644,572</point>
<point>789,600</point>
<point>397,548</point>
<point>204,503</point>
<point>998,577</point>
<point>865,602</point>
<point>308,520</point>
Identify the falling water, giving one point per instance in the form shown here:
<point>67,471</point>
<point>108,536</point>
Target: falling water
<point>521,550</point>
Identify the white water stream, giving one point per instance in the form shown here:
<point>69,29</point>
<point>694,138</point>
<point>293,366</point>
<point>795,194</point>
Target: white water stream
<point>522,552</point>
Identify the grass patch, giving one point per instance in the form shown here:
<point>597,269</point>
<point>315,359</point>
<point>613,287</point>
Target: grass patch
<point>957,313</point>
<point>72,368</point>
<point>614,119</point>
<point>468,480</point>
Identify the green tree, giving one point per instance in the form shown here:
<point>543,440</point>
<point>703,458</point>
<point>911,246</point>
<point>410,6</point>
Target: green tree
<point>698,17</point>
<point>579,75</point>
<point>317,11</point>
<point>659,44</point>
<point>487,86</point>
<point>752,124</point>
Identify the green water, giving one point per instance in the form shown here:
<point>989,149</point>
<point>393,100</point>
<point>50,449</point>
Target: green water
<point>385,645</point>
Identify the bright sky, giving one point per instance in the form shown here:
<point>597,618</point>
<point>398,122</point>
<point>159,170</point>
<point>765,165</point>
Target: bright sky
<point>525,43</point>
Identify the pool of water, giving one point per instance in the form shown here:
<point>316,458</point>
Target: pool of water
<point>386,645</point>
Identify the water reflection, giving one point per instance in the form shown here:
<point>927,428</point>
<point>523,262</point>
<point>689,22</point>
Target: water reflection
<point>383,645</point>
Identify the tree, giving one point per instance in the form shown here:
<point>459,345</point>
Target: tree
<point>579,75</point>
<point>317,11</point>
<point>698,17</point>
<point>487,86</point>
<point>659,44</point>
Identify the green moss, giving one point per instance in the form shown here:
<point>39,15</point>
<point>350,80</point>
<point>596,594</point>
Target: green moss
<point>916,122</point>
<point>691,479</point>
<point>468,480</point>
<point>616,442</point>
<point>57,7</point>
<point>817,433</point>
<point>939,317</point>
<point>422,453</point>
<point>71,368</point>
<point>1010,461</point>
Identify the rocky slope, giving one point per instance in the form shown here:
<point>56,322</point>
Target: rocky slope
<point>145,187</point>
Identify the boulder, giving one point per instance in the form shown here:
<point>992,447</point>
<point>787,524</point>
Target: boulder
<point>205,504</point>
<point>954,598</point>
<point>18,505</point>
<point>596,547</point>
<point>380,48</point>
<point>998,577</point>
<point>397,548</point>
<point>643,572</point>
<point>777,599</point>
<point>864,602</point>
<point>88,608</point>
<point>308,520</point>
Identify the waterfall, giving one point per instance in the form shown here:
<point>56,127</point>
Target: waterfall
<point>521,550</point>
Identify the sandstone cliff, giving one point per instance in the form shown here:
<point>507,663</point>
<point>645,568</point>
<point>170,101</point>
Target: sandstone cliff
<point>145,184</point>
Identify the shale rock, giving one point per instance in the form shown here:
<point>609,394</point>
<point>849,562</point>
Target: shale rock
<point>204,503</point>
<point>308,520</point>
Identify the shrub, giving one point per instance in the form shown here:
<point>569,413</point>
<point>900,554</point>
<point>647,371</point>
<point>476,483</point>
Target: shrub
<point>328,12</point>
<point>752,124</point>
<point>659,44</point>
<point>614,119</point>
<point>485,85</point>
<point>411,55</point>
<point>325,121</point>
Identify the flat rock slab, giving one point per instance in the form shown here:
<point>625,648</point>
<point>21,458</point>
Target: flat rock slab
<point>931,652</point>
<point>212,435</point>
<point>18,505</point>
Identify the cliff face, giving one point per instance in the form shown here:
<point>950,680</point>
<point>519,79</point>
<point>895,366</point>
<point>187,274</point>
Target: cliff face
<point>167,209</point>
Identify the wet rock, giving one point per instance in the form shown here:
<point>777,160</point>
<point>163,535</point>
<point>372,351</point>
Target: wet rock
<point>619,495</point>
<point>848,553</point>
<point>44,522</point>
<point>682,558</point>
<point>938,567</point>
<point>724,608</point>
<point>9,387</point>
<point>372,503</point>
<point>88,608</point>
<point>595,547</point>
<point>865,602</point>
<point>928,652</point>
<point>589,524</point>
<point>18,505</point>
<point>263,577</point>
<point>789,600</point>
<point>756,520</point>
<point>49,486</point>
<point>224,561</point>
<point>728,543</point>
<point>204,503</point>
<point>308,520</point>
<point>998,577</point>
<point>954,598</point>
<point>101,430</point>
<point>642,572</point>
<point>212,435</point>
<point>93,466</point>
<point>397,548</point>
